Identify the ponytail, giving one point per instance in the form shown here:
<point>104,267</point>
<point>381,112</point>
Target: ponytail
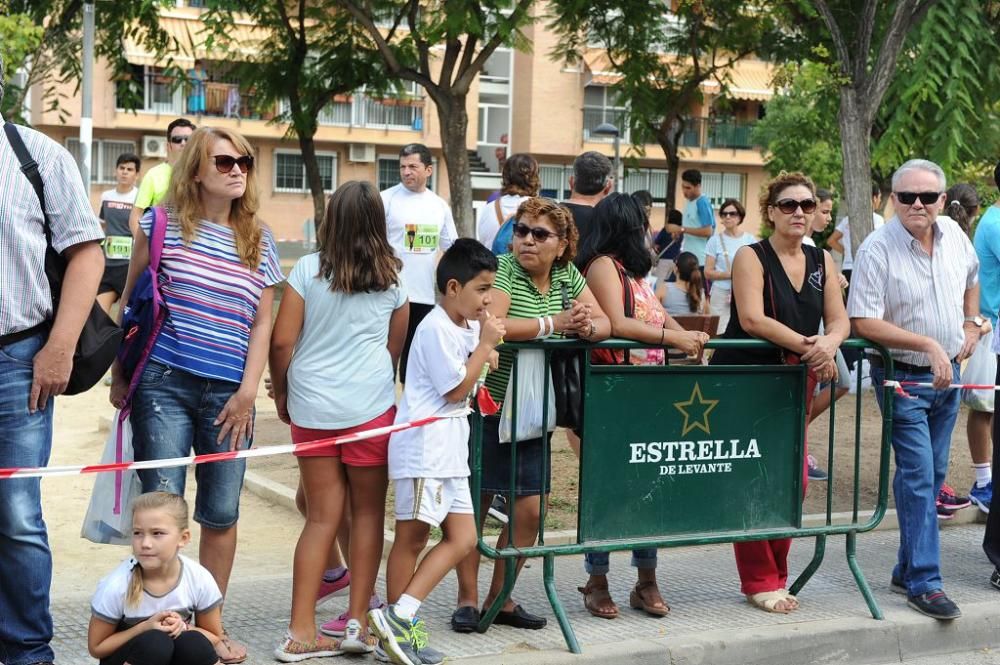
<point>688,271</point>
<point>963,202</point>
<point>134,594</point>
<point>959,214</point>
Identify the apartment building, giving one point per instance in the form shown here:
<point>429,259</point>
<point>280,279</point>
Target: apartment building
<point>522,102</point>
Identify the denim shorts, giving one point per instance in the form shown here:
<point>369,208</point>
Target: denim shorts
<point>174,411</point>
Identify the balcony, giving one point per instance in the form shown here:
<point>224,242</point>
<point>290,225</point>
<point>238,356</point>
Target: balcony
<point>360,110</point>
<point>596,115</point>
<point>712,133</point>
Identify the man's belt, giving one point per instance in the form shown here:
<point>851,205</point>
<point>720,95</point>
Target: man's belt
<point>11,338</point>
<point>876,361</point>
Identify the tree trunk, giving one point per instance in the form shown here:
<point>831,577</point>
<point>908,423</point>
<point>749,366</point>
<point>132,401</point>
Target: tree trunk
<point>855,136</point>
<point>669,147</point>
<point>308,148</point>
<point>454,121</point>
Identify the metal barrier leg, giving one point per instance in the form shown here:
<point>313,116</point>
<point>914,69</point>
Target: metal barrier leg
<point>549,575</point>
<point>812,567</point>
<point>859,576</point>
<point>509,577</point>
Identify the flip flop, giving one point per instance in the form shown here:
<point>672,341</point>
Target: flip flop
<point>639,601</point>
<point>598,601</point>
<point>789,597</point>
<point>768,601</point>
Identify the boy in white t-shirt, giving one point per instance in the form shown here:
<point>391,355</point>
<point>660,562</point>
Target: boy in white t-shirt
<point>429,465</point>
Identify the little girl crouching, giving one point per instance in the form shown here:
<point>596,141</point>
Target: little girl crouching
<point>157,607</point>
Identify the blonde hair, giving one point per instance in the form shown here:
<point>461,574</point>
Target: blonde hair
<point>184,195</point>
<point>172,504</point>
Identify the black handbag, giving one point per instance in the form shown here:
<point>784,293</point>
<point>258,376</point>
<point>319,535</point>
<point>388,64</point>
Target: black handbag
<point>100,336</point>
<point>566,366</point>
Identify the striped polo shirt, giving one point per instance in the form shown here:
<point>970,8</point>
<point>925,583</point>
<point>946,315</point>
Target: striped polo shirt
<point>25,299</point>
<point>211,299</point>
<point>896,280</point>
<point>526,302</point>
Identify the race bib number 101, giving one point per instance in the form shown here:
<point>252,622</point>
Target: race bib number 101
<point>421,238</point>
<point>118,247</point>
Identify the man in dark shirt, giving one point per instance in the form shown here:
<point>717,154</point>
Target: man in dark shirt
<point>591,181</point>
<point>116,208</point>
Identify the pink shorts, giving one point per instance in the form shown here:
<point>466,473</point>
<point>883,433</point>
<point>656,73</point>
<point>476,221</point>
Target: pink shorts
<point>368,452</point>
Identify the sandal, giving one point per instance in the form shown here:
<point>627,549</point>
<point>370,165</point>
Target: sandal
<point>646,596</point>
<point>598,601</point>
<point>229,650</point>
<point>790,598</point>
<point>768,601</point>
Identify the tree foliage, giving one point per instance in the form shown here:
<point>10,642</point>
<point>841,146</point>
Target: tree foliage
<point>442,45</point>
<point>664,55</point>
<point>19,39</point>
<point>307,52</point>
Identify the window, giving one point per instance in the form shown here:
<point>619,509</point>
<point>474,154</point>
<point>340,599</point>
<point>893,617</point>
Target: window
<point>290,171</point>
<point>652,180</point>
<point>600,105</point>
<point>388,173</point>
<point>105,154</point>
<point>721,186</point>
<point>554,181</point>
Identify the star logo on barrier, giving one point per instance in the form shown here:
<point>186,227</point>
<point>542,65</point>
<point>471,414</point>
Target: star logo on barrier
<point>691,407</point>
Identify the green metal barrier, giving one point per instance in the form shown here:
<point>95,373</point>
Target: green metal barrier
<point>656,434</point>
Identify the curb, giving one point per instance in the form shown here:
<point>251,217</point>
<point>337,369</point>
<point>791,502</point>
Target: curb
<point>860,641</point>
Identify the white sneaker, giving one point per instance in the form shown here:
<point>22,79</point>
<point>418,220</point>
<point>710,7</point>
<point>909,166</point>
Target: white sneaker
<point>356,641</point>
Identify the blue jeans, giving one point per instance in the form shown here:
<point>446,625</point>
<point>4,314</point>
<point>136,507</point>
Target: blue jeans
<point>599,563</point>
<point>25,559</point>
<point>921,440</point>
<point>173,411</point>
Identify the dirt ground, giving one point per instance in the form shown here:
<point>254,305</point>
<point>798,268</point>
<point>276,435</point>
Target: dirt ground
<point>268,532</point>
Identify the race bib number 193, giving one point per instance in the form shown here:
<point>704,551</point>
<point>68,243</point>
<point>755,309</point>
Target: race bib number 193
<point>421,238</point>
<point>118,247</point>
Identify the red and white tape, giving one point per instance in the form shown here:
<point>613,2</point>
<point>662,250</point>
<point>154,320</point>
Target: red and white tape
<point>264,451</point>
<point>900,385</point>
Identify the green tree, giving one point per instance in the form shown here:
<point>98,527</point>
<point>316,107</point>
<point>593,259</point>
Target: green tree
<point>442,45</point>
<point>19,39</point>
<point>308,52</point>
<point>664,56</point>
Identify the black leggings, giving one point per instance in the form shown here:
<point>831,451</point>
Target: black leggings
<point>157,648</point>
<point>417,313</point>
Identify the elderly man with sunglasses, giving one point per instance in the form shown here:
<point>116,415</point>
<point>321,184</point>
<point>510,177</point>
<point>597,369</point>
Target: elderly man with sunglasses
<point>915,290</point>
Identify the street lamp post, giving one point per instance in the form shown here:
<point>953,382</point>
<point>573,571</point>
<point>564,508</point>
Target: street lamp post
<point>607,129</point>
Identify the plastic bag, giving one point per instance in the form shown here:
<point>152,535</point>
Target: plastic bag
<point>981,369</point>
<point>530,374</point>
<point>109,521</point>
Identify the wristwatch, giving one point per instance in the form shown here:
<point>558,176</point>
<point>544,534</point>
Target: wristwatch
<point>978,320</point>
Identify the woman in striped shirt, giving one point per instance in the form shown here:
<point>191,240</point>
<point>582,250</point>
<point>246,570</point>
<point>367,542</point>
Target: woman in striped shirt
<point>531,285</point>
<point>217,275</point>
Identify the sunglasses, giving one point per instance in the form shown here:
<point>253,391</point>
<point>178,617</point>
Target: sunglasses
<point>788,206</point>
<point>729,213</point>
<point>225,163</point>
<point>537,232</point>
<point>177,140</point>
<point>909,198</point>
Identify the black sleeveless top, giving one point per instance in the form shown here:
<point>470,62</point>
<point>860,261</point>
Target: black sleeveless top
<point>802,311</point>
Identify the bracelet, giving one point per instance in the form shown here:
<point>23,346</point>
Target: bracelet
<point>593,330</point>
<point>552,326</point>
<point>662,332</point>
<point>541,328</point>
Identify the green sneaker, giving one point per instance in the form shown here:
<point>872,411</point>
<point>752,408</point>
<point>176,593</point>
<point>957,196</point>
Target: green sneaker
<point>396,636</point>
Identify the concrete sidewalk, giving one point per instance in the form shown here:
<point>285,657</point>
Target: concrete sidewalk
<point>710,622</point>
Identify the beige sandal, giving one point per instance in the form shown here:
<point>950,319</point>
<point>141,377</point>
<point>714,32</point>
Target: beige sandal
<point>790,598</point>
<point>768,601</point>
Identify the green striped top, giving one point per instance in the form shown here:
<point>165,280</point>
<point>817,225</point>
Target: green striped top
<point>527,303</point>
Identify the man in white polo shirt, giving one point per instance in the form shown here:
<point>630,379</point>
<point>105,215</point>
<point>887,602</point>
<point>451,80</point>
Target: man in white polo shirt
<point>419,225</point>
<point>915,290</point>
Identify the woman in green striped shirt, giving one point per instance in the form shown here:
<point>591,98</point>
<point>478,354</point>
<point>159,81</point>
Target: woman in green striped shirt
<point>528,293</point>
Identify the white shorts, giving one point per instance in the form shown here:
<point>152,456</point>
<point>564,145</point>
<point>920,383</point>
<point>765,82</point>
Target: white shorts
<point>431,499</point>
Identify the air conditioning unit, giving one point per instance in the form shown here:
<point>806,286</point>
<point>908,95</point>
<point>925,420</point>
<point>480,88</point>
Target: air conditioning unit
<point>154,146</point>
<point>361,152</point>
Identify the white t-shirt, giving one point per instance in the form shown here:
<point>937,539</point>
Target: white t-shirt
<point>806,240</point>
<point>196,592</point>
<point>718,246</point>
<point>341,374</point>
<point>418,225</point>
<point>844,226</point>
<point>487,225</point>
<point>436,365</point>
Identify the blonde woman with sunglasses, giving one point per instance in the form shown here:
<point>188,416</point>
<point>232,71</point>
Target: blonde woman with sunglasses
<point>218,270</point>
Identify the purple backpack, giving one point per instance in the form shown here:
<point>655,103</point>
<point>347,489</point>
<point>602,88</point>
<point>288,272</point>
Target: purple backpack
<point>145,312</point>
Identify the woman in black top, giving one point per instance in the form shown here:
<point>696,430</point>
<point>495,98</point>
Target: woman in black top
<point>782,290</point>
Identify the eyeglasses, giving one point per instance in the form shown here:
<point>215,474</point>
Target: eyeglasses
<point>788,206</point>
<point>729,213</point>
<point>177,140</point>
<point>225,163</point>
<point>909,198</point>
<point>537,232</point>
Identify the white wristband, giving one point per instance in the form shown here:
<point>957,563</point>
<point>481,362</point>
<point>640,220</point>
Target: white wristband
<point>541,328</point>
<point>552,326</point>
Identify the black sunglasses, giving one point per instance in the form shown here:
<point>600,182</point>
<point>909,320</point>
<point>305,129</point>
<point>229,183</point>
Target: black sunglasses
<point>225,163</point>
<point>909,198</point>
<point>729,213</point>
<point>537,232</point>
<point>177,140</point>
<point>788,206</point>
